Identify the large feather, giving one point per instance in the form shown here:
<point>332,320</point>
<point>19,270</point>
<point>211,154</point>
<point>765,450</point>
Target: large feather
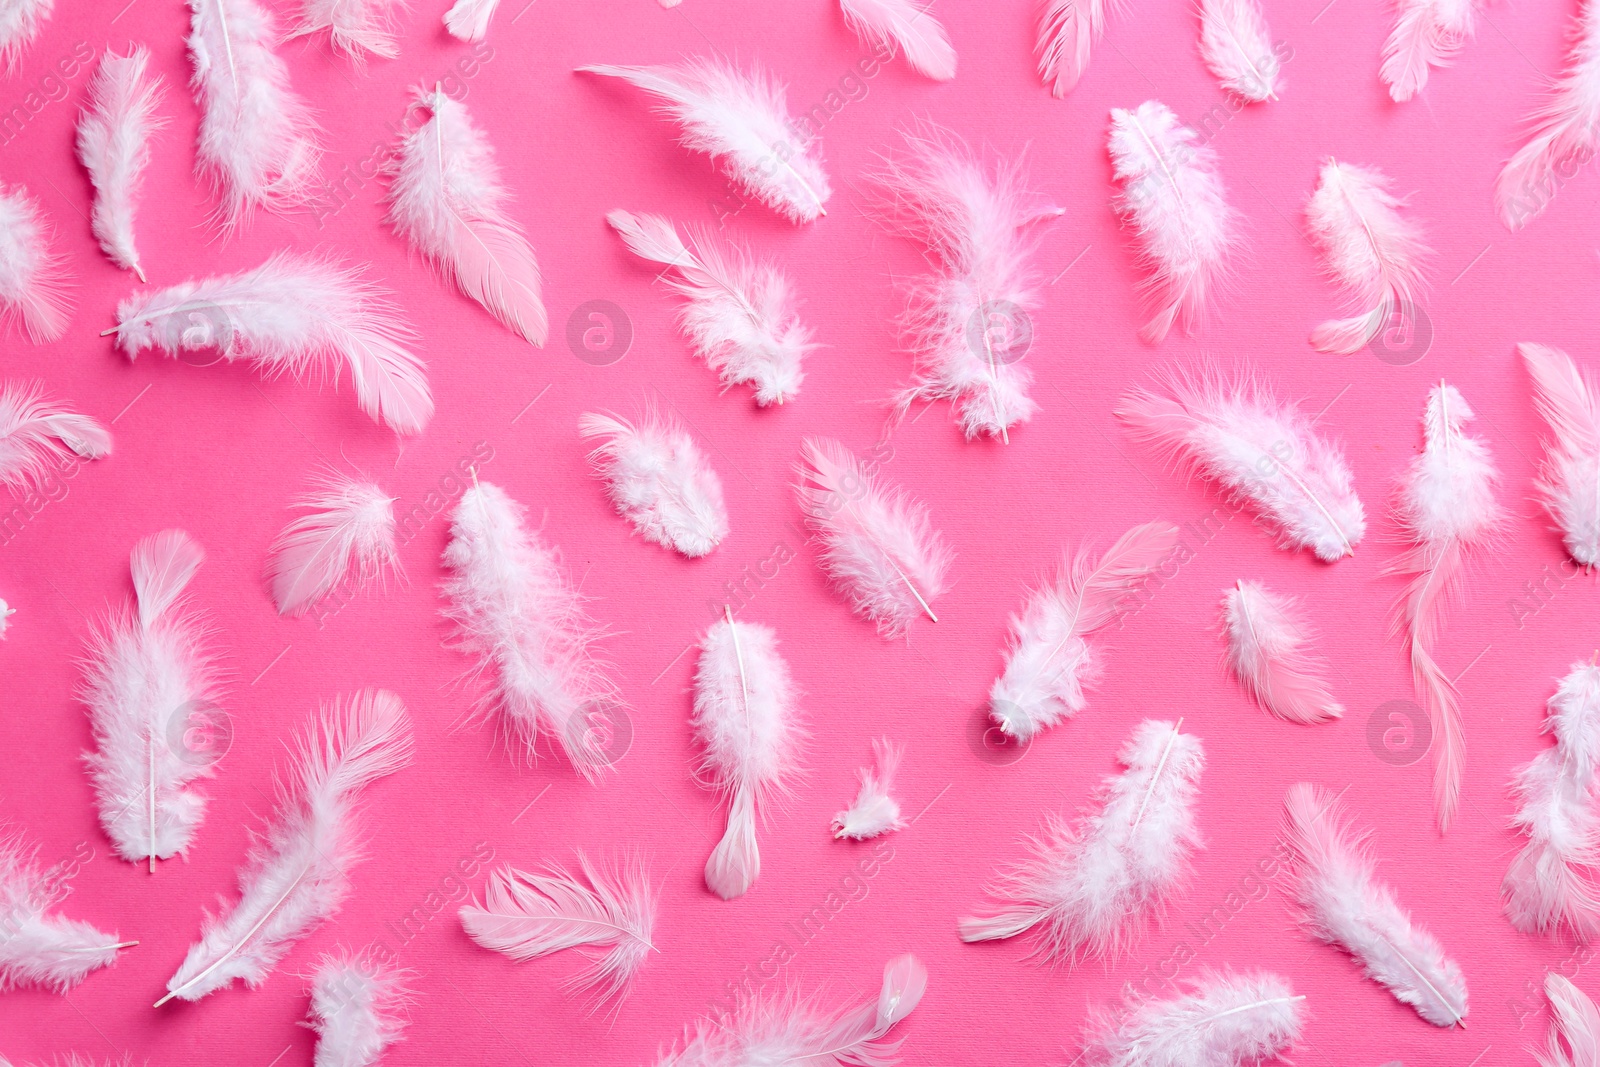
<point>1051,660</point>
<point>20,23</point>
<point>742,120</point>
<point>297,875</point>
<point>295,314</point>
<point>1574,1026</point>
<point>907,27</point>
<point>659,481</point>
<point>33,278</point>
<point>447,201</point>
<point>1229,1020</point>
<point>1266,650</point>
<point>1569,481</point>
<point>1347,906</point>
<point>1566,130</point>
<point>468,20</point>
<point>357,1005</point>
<point>353,26</point>
<point>36,947</point>
<point>875,810</point>
<point>114,146</point>
<point>1237,48</point>
<point>1067,31</point>
<point>1427,33</point>
<point>35,435</point>
<point>347,525</point>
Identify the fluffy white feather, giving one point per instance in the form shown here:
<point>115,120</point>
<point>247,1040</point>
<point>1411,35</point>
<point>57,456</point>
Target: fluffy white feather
<point>1569,481</point>
<point>875,810</point>
<point>1257,449</point>
<point>1267,639</point>
<point>738,313</point>
<point>148,676</point>
<point>877,543</point>
<point>1229,1020</point>
<point>33,278</point>
<point>659,480</point>
<point>1237,48</point>
<point>742,120</point>
<point>353,26</point>
<point>785,1030</point>
<point>20,23</point>
<point>6,612</point>
<point>1574,1026</point>
<point>357,1009</point>
<point>907,27</point>
<point>1068,30</point>
<point>36,434</point>
<point>347,530</point>
<point>609,912</point>
<point>1566,130</point>
<point>36,947</point>
<point>1172,196</point>
<point>447,200</point>
<point>1551,882</point>
<point>1051,660</point>
<point>468,20</point>
<point>114,147</point>
<point>1087,890</point>
<point>297,874</point>
<point>258,142</point>
<point>298,315</point>
<point>1427,33</point>
<point>1372,251</point>
<point>518,614</point>
<point>1345,905</point>
<point>750,733</point>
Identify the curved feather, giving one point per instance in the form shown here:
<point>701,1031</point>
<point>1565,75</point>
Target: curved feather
<point>1228,1020</point>
<point>1266,649</point>
<point>1067,32</point>
<point>347,524</point>
<point>33,278</point>
<point>907,27</point>
<point>114,147</point>
<point>35,434</point>
<point>468,20</point>
<point>20,23</point>
<point>1569,479</point>
<point>1237,48</point>
<point>38,948</point>
<point>1574,1026</point>
<point>659,481</point>
<point>1427,33</point>
<point>357,1005</point>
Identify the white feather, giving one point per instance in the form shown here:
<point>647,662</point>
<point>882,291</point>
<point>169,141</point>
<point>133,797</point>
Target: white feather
<point>36,947</point>
<point>518,615</point>
<point>875,810</point>
<point>1574,1026</point>
<point>297,315</point>
<point>739,314</point>
<point>742,120</point>
<point>348,527</point>
<point>1229,1020</point>
<point>357,1006</point>
<point>1172,196</point>
<point>1427,33</point>
<point>353,26</point>
<point>1370,249</point>
<point>1051,660</point>
<point>298,872</point>
<point>659,480</point>
<point>1257,449</point>
<point>877,543</point>
<point>1067,31</point>
<point>33,279</point>
<point>1087,890</point>
<point>750,735</point>
<point>447,200</point>
<point>114,146</point>
<point>5,618</point>
<point>36,434</point>
<point>20,23</point>
<point>1347,906</point>
<point>1566,130</point>
<point>907,27</point>
<point>1267,641</point>
<point>1569,481</point>
<point>1237,48</point>
<point>468,20</point>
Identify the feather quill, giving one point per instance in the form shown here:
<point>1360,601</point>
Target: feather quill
<point>1172,196</point>
<point>1229,1020</point>
<point>1051,660</point>
<point>907,27</point>
<point>36,434</point>
<point>738,314</point>
<point>1347,906</point>
<point>33,278</point>
<point>20,23</point>
<point>875,810</point>
<point>1566,130</point>
<point>1237,48</point>
<point>298,873</point>
<point>447,201</point>
<point>1427,33</point>
<point>357,1006</point>
<point>468,20</point>
<point>1267,641</point>
<point>659,481</point>
<point>348,527</point>
<point>353,26</point>
<point>1569,481</point>
<point>877,543</point>
<point>1068,30</point>
<point>608,912</point>
<point>298,315</point>
<point>36,947</point>
<point>1574,1026</point>
<point>114,147</point>
<point>1085,890</point>
<point>742,120</point>
<point>1258,450</point>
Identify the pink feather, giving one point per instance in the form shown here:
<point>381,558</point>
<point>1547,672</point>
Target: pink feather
<point>1067,31</point>
<point>1266,639</point>
<point>1574,1026</point>
<point>1569,483</point>
<point>906,27</point>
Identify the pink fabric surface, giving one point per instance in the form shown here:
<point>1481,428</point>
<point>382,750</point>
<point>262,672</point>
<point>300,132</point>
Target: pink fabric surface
<point>218,451</point>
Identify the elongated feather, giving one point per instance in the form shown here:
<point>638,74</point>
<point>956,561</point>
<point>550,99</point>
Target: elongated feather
<point>36,434</point>
<point>1172,196</point>
<point>1347,906</point>
<point>447,200</point>
<point>518,615</point>
<point>114,147</point>
<point>298,315</point>
<point>38,948</point>
<point>659,481</point>
<point>298,872</point>
<point>907,27</point>
<point>1565,134</point>
<point>33,278</point>
<point>1267,641</point>
<point>1427,33</point>
<point>1229,1020</point>
<point>877,543</point>
<point>1237,48</point>
<point>742,120</point>
<point>357,1008</point>
<point>1051,660</point>
<point>20,23</point>
<point>1085,891</point>
<point>748,725</point>
<point>353,26</point>
<point>1574,1026</point>
<point>1569,480</point>
<point>1067,32</point>
<point>468,20</point>
<point>1258,450</point>
<point>875,810</point>
<point>347,531</point>
<point>609,912</point>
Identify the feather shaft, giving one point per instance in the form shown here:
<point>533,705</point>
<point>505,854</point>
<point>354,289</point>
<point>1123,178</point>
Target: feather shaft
<point>38,948</point>
<point>114,147</point>
<point>1266,651</point>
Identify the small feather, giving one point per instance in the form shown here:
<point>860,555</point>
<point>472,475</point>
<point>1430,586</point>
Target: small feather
<point>1574,1026</point>
<point>357,1006</point>
<point>1067,31</point>
<point>36,947</point>
<point>114,146</point>
<point>1427,33</point>
<point>1237,48</point>
<point>1229,1020</point>
<point>907,27</point>
<point>33,279</point>
<point>5,618</point>
<point>875,810</point>
<point>36,435</point>
<point>659,480</point>
<point>20,23</point>
<point>1267,642</point>
<point>353,26</point>
<point>1569,481</point>
<point>348,526</point>
<point>468,20</point>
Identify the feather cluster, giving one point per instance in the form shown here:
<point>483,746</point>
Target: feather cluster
<point>906,27</point>
<point>1569,403</point>
<point>1068,30</point>
<point>1345,905</point>
<point>1267,642</point>
<point>36,947</point>
<point>36,434</point>
<point>1237,48</point>
<point>20,23</point>
<point>114,147</point>
<point>659,480</point>
<point>1085,889</point>
<point>1574,1026</point>
<point>1427,33</point>
<point>33,279</point>
<point>1229,1020</point>
<point>347,532</point>
<point>468,20</point>
<point>353,26</point>
<point>875,810</point>
<point>357,1009</point>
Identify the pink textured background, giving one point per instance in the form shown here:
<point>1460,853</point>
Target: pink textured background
<point>221,453</point>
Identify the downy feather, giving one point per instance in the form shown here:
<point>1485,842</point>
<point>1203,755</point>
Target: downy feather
<point>357,1008</point>
<point>20,23</point>
<point>1267,639</point>
<point>875,810</point>
<point>297,874</point>
<point>738,314</point>
<point>468,20</point>
<point>447,201</point>
<point>36,947</point>
<point>1427,33</point>
<point>1574,1026</point>
<point>114,147</point>
<point>1569,480</point>
<point>36,435</point>
<point>1068,29</point>
<point>1258,450</point>
<point>1347,906</point>
<point>5,618</point>
<point>1172,196</point>
<point>1566,130</point>
<point>1369,248</point>
<point>1229,1020</point>
<point>907,27</point>
<point>298,315</point>
<point>1237,48</point>
<point>1086,891</point>
<point>1051,660</point>
<point>33,278</point>
<point>877,543</point>
<point>353,26</point>
<point>742,120</point>
<point>516,612</point>
<point>347,531</point>
<point>750,733</point>
<point>659,481</point>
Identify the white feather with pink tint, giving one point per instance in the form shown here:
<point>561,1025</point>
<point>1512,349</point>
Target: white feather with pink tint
<point>114,147</point>
<point>1427,33</point>
<point>875,810</point>
<point>1574,1025</point>
<point>468,20</point>
<point>1238,49</point>
<point>36,434</point>
<point>659,481</point>
<point>357,1008</point>
<point>33,279</point>
<point>907,27</point>
<point>20,22</point>
<point>1228,1020</point>
<point>347,531</point>
<point>1569,480</point>
<point>353,26</point>
<point>37,947</point>
<point>1067,32</point>
<point>1267,639</point>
